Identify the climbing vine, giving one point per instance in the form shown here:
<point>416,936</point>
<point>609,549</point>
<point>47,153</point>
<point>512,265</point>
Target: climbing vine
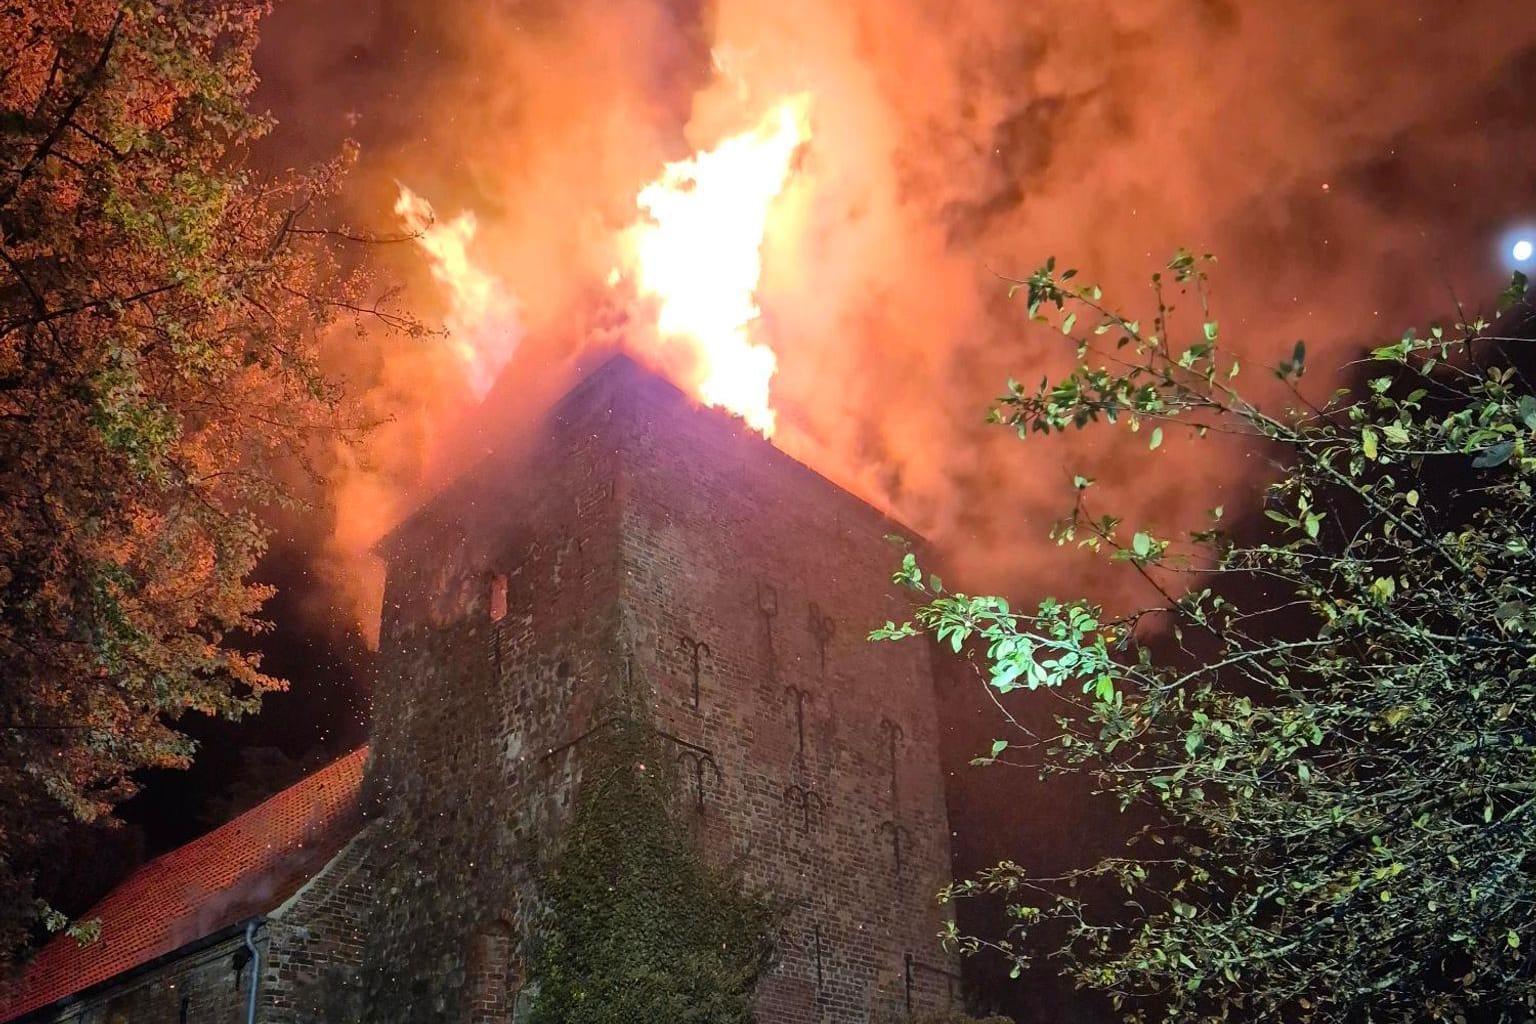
<point>636,925</point>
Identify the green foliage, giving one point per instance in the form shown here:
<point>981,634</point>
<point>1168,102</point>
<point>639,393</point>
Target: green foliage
<point>1336,739</point>
<point>636,926</point>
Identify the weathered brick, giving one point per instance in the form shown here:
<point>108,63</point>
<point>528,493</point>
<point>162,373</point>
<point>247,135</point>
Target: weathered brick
<point>640,557</point>
<point>645,557</point>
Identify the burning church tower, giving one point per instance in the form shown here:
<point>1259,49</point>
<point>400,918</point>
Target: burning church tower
<point>646,557</point>
<point>639,560</point>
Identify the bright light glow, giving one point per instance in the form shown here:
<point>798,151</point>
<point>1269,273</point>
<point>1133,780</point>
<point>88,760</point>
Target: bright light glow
<point>482,315</point>
<point>698,252</point>
<point>1522,250</point>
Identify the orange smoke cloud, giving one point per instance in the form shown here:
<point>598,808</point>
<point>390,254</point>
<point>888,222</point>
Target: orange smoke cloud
<point>953,143</point>
<point>482,317</point>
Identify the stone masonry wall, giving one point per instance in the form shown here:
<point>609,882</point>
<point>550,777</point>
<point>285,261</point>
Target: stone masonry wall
<point>750,584</point>
<point>208,986</point>
<point>497,644</point>
<point>638,547</point>
<point>315,943</point>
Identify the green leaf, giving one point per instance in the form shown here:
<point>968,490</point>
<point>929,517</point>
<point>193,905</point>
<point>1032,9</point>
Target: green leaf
<point>1157,439</point>
<point>1141,544</point>
<point>1527,411</point>
<point>998,746</point>
<point>1518,284</point>
<point>1368,443</point>
<point>1210,330</point>
<point>1068,323</point>
<point>1494,455</point>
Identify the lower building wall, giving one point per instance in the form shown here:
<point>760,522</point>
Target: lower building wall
<point>207,986</point>
<point>315,942</point>
<point>310,949</point>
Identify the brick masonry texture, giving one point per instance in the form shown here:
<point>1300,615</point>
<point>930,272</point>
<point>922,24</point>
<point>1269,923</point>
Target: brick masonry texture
<point>640,558</point>
<point>315,942</point>
<point>236,872</point>
<point>653,559</point>
<point>202,987</point>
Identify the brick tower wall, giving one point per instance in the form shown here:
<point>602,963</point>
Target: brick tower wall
<point>642,545</point>
<point>498,636</point>
<point>752,582</point>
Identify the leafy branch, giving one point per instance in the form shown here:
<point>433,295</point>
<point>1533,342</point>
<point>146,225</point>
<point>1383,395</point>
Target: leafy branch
<point>1339,770</point>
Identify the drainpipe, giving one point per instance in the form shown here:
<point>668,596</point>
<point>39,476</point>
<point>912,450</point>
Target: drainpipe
<point>250,944</point>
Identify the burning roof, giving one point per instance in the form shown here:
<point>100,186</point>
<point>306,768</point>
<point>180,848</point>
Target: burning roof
<point>691,259</point>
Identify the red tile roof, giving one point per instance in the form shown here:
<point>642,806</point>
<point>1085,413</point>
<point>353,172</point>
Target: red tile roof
<point>240,869</point>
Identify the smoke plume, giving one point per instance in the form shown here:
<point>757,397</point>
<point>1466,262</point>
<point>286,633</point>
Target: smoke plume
<point>1351,164</point>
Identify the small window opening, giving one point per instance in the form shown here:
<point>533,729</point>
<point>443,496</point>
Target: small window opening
<point>498,597</point>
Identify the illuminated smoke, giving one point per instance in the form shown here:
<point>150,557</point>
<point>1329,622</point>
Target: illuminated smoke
<point>954,143</point>
<point>482,317</point>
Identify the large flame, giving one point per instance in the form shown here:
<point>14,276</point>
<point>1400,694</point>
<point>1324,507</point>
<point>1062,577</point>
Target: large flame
<point>697,251</point>
<point>482,315</point>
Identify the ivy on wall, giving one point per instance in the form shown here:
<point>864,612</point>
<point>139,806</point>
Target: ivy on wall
<point>636,926</point>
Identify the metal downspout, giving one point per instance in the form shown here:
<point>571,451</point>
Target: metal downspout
<point>250,944</point>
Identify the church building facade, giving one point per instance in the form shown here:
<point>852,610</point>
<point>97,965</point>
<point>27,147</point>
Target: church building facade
<point>639,559</point>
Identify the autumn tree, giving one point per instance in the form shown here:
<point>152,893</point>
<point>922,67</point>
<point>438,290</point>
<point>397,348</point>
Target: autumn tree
<point>160,312</point>
<point>1329,721</point>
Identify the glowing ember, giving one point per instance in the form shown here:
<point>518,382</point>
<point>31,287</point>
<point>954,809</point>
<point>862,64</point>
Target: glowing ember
<point>698,253</point>
<point>482,315</point>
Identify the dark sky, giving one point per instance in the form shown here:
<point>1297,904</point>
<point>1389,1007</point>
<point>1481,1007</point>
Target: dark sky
<point>1354,165</point>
